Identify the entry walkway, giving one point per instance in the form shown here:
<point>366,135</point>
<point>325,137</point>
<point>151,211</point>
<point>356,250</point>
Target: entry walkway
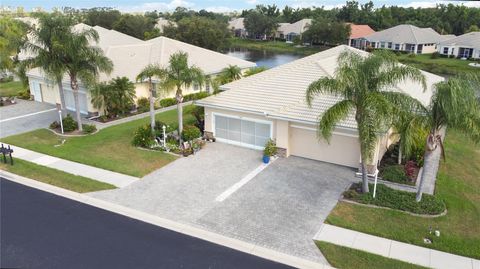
<point>394,249</point>
<point>114,178</point>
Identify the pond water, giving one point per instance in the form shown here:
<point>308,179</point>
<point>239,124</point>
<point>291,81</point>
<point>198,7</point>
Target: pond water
<point>262,57</point>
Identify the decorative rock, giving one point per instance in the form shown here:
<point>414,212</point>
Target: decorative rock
<point>437,233</point>
<point>427,241</point>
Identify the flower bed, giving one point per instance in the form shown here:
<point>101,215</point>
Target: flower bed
<point>396,199</point>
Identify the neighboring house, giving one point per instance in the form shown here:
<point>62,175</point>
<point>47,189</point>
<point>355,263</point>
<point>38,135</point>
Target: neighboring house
<point>407,38</point>
<point>162,23</point>
<point>358,32</point>
<point>289,31</point>
<point>464,46</point>
<point>129,56</point>
<point>271,105</point>
<point>237,27</point>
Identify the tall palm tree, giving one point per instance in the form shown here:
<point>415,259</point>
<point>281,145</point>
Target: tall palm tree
<point>45,46</point>
<point>178,75</point>
<point>456,104</point>
<point>229,74</point>
<point>363,84</point>
<point>148,73</point>
<point>83,62</point>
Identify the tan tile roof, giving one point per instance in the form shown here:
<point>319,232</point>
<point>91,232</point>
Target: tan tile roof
<point>280,92</point>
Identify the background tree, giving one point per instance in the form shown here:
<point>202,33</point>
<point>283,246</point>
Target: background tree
<point>178,75</point>
<point>327,32</point>
<point>83,62</point>
<point>102,16</point>
<point>200,31</point>
<point>13,35</point>
<point>115,98</point>
<point>134,25</point>
<point>361,82</point>
<point>455,103</point>
<point>259,25</point>
<point>148,74</point>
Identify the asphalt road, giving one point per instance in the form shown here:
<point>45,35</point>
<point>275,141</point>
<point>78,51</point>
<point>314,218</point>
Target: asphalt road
<point>42,230</point>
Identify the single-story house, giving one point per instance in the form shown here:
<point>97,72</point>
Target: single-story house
<point>406,37</point>
<point>129,56</point>
<point>464,46</point>
<point>237,27</point>
<point>289,31</point>
<point>357,35</point>
<point>271,105</point>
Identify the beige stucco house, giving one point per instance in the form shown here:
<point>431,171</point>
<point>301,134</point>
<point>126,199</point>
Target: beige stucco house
<point>289,31</point>
<point>408,38</point>
<point>271,105</point>
<point>129,56</point>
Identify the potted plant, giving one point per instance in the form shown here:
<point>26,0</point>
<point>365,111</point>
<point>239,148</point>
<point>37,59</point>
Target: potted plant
<point>269,151</point>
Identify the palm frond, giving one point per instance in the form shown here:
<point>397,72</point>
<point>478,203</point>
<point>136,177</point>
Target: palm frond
<point>332,116</point>
<point>324,86</point>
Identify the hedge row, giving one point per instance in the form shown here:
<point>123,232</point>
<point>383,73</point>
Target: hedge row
<point>189,97</point>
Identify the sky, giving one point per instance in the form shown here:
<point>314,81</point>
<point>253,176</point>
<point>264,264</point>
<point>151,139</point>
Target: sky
<point>212,5</point>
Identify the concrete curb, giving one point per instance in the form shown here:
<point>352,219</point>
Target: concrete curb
<point>236,244</point>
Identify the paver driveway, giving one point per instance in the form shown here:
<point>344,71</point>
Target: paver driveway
<point>26,116</point>
<point>281,208</point>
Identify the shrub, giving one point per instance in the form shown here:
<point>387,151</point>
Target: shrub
<point>6,79</point>
<point>159,128</point>
<point>401,200</point>
<point>143,137</point>
<point>394,173</point>
<point>435,55</point>
<point>411,55</point>
<point>69,124</point>
<point>54,125</point>
<point>166,102</point>
<point>190,132</point>
<point>410,168</point>
<point>270,148</point>
<point>195,96</point>
<point>89,128</point>
<point>25,94</point>
<point>143,104</point>
<point>199,113</point>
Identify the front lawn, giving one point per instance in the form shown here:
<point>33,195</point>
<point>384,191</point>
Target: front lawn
<point>55,177</point>
<point>439,66</point>
<point>11,88</point>
<point>109,149</point>
<point>458,185</point>
<point>348,258</point>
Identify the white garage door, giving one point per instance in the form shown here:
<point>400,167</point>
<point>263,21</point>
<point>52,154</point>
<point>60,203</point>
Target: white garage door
<point>243,132</point>
<point>343,149</point>
<point>70,101</point>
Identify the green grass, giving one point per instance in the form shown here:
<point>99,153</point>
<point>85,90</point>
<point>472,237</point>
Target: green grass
<point>55,177</point>
<point>458,185</point>
<point>274,46</point>
<point>109,149</point>
<point>11,88</point>
<point>347,258</point>
<point>439,66</point>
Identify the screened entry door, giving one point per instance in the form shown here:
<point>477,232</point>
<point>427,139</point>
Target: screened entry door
<point>242,132</point>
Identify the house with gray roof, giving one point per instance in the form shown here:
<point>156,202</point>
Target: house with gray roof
<point>237,27</point>
<point>272,105</point>
<point>129,56</point>
<point>464,46</point>
<point>406,37</point>
<point>289,31</point>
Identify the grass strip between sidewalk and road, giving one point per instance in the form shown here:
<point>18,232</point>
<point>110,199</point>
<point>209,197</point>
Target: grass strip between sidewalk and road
<point>347,258</point>
<point>55,177</point>
<point>110,148</point>
<point>458,185</point>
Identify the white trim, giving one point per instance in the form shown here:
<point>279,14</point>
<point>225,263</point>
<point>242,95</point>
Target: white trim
<point>313,129</point>
<point>237,143</point>
<point>199,103</point>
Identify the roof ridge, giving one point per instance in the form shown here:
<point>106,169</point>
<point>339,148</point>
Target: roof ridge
<point>413,33</point>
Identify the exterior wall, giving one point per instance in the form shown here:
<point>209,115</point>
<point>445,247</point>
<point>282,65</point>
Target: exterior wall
<point>283,136</point>
<point>342,150</point>
<point>454,50</point>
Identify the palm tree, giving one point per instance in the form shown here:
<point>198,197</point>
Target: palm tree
<point>229,74</point>
<point>455,103</point>
<point>148,73</point>
<point>254,70</point>
<point>82,62</point>
<point>177,76</point>
<point>45,45</point>
<point>410,128</point>
<point>116,97</point>
<point>363,84</point>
